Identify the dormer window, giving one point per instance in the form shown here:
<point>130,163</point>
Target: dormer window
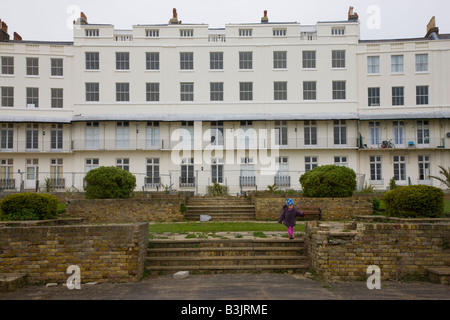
<point>338,31</point>
<point>245,32</point>
<point>279,32</point>
<point>186,33</point>
<point>152,33</point>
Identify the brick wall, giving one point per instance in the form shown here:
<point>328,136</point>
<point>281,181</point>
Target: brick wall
<point>343,253</point>
<point>126,210</point>
<point>103,252</point>
<point>269,207</point>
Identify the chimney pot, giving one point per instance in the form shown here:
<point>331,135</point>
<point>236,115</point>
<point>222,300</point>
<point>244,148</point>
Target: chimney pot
<point>265,19</point>
<point>174,19</point>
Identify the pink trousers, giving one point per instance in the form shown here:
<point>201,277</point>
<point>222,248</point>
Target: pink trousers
<point>290,231</point>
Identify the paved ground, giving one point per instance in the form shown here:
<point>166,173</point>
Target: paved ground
<point>243,287</point>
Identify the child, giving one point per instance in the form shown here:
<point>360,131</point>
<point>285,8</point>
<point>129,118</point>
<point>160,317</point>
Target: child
<point>288,215</point>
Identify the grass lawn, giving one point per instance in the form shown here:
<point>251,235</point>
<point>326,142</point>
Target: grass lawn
<point>184,227</point>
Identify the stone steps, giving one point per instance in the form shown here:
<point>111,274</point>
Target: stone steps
<point>227,255</point>
<point>220,209</point>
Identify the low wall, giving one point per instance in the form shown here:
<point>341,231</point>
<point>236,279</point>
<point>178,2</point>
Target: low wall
<point>104,253</point>
<point>126,210</point>
<point>269,207</point>
<point>343,252</point>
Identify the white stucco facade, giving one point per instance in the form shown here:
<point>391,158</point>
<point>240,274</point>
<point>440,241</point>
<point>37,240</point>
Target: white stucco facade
<point>264,102</point>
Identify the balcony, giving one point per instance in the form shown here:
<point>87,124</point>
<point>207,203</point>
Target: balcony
<point>187,182</point>
<point>406,144</point>
<point>282,181</point>
<point>152,182</point>
<point>247,181</point>
<point>7,184</point>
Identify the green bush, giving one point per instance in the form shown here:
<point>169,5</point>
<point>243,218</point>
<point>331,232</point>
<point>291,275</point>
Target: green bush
<point>329,181</point>
<point>109,183</point>
<point>217,190</point>
<point>29,206</point>
<point>415,201</point>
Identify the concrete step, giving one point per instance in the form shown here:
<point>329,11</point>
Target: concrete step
<point>440,275</point>
<point>12,281</point>
<point>226,255</point>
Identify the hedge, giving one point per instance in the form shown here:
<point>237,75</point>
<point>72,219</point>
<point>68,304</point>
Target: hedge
<point>415,201</point>
<point>109,183</point>
<point>329,181</point>
<point>29,206</point>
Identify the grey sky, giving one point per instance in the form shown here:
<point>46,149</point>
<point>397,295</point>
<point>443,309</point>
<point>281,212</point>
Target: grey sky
<point>380,19</point>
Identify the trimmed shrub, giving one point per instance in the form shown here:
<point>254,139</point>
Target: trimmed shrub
<point>329,181</point>
<point>29,206</point>
<point>415,201</point>
<point>109,183</point>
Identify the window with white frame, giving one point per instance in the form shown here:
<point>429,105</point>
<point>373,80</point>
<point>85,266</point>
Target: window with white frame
<point>399,132</point>
<point>341,161</point>
<point>245,32</point>
<point>421,62</point>
<point>280,90</point>
<point>340,132</point>
<point>92,60</point>
<point>122,61</point>
<point>338,59</point>
<point>7,65</point>
<point>91,135</point>
<point>122,92</point>
<point>374,97</point>
<point>122,134</point>
<point>309,59</point>
<point>56,137</point>
<point>280,59</point>
<point>217,170</point>
<point>422,95</point>
<point>32,66</point>
<point>152,60</point>
<point>32,136</point>
<point>339,90</point>
<point>56,68</point>
<point>152,135</point>
<point>7,174</point>
<point>187,134</point>
<point>152,179</point>
<point>423,132</point>
<point>374,132</point>
<point>56,98</point>
<point>7,96</point>
<point>248,135</point>
<point>245,60</point>
<point>397,64</point>
<point>373,64</point>
<point>247,175</point>
<point>152,33</point>
<point>57,173</point>
<point>217,133</point>
<point>338,31</point>
<point>90,164</point>
<point>375,169</point>
<point>186,33</point>
<point>152,91</point>
<point>92,92</point>
<point>187,178</point>
<point>187,91</point>
<point>186,61</point>
<point>309,90</point>
<point>311,163</point>
<point>216,60</point>
<point>398,96</point>
<point>282,177</point>
<point>279,32</point>
<point>399,168</point>
<point>32,97</point>
<point>424,167</point>
<point>245,91</point>
<point>216,91</point>
<point>123,163</point>
<point>92,32</point>
<point>310,133</point>
<point>281,133</point>
<point>6,136</point>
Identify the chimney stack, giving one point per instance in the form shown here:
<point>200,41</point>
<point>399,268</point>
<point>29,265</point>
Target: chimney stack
<point>265,19</point>
<point>4,36</point>
<point>432,30</point>
<point>174,19</point>
<point>17,37</point>
<point>352,16</point>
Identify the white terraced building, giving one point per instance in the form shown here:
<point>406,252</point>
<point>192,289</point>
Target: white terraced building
<point>250,105</point>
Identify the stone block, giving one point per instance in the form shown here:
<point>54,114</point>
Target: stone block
<point>181,275</point>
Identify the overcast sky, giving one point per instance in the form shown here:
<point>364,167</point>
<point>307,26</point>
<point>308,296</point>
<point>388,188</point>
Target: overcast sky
<point>380,19</point>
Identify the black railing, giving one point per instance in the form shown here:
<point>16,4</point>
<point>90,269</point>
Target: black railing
<point>247,181</point>
<point>7,184</point>
<point>187,182</point>
<point>282,181</point>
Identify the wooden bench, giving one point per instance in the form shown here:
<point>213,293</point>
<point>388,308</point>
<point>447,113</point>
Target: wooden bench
<point>311,213</point>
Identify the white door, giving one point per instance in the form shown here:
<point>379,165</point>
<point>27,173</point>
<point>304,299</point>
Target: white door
<point>32,170</point>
